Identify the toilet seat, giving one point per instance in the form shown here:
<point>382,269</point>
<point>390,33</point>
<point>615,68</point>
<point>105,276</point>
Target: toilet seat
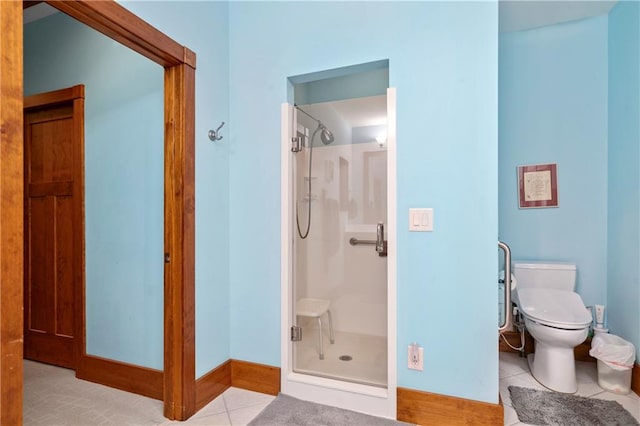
<point>554,308</point>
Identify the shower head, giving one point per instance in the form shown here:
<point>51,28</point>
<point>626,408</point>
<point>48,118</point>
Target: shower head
<point>325,134</point>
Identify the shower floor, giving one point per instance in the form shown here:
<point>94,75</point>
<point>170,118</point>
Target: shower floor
<point>368,364</point>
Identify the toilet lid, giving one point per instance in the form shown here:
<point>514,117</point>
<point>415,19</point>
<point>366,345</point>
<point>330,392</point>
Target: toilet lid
<point>556,308</point>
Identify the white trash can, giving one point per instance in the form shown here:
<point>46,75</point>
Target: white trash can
<point>615,362</point>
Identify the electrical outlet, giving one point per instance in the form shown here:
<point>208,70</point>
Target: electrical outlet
<point>415,358</point>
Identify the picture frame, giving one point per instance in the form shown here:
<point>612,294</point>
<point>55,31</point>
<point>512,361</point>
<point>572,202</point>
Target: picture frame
<point>538,186</point>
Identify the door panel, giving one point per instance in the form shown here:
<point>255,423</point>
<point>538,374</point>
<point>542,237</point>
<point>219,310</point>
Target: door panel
<point>340,197</point>
<point>52,248</point>
<point>333,182</point>
<point>64,306</point>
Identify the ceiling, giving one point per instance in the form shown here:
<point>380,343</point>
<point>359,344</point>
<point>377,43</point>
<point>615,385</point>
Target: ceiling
<point>518,15</point>
<point>38,11</point>
<point>515,15</point>
<point>362,112</point>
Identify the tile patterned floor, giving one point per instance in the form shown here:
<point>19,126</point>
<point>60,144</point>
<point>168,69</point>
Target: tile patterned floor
<point>514,370</point>
<point>53,396</point>
<point>234,407</point>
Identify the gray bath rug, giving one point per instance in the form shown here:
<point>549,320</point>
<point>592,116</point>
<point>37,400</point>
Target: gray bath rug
<point>289,411</point>
<point>552,408</point>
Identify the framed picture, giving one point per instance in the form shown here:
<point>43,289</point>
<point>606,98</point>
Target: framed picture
<point>538,186</point>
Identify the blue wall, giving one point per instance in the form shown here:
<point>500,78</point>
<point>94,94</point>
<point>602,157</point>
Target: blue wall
<point>443,58</point>
<point>204,28</point>
<point>623,291</point>
<point>124,169</point>
<point>553,109</point>
<point>443,61</point>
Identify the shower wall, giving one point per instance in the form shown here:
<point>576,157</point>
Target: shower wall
<point>348,199</point>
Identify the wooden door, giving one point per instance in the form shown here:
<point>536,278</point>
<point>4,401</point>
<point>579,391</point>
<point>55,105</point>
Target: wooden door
<point>54,225</point>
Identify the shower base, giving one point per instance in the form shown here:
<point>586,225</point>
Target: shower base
<point>367,366</point>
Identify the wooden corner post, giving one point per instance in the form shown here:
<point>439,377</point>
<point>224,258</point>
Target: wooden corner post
<point>11,212</point>
<point>179,327</point>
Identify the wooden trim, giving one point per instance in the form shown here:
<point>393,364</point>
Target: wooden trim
<point>120,24</point>
<point>179,206</point>
<point>54,97</point>
<point>120,375</point>
<point>60,188</point>
<point>79,218</point>
<point>581,352</point>
<point>240,374</point>
<point>11,212</point>
<point>635,379</point>
<point>28,3</point>
<point>255,377</point>
<point>212,384</point>
<point>426,408</point>
<point>513,337</point>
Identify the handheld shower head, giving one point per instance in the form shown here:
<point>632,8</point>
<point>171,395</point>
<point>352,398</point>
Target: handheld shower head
<point>325,135</point>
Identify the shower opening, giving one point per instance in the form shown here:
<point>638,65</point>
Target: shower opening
<point>339,198</point>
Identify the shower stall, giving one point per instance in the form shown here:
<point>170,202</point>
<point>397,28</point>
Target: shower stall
<point>340,187</point>
<point>336,230</point>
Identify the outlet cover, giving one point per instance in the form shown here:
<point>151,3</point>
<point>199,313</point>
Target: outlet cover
<point>415,358</point>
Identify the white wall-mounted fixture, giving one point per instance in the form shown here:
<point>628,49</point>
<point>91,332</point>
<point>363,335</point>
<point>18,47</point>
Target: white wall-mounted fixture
<point>415,359</point>
<point>421,220</point>
<point>382,140</point>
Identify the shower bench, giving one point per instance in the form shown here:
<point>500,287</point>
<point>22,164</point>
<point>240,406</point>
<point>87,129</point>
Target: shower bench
<point>316,308</point>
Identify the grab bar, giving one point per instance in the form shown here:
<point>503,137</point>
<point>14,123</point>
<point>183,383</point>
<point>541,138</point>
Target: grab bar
<point>508,315</point>
<point>380,238</point>
<point>379,242</point>
<point>356,242</point>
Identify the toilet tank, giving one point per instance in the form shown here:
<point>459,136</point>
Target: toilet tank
<point>558,276</point>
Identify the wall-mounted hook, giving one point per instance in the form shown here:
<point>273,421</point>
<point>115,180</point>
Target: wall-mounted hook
<point>214,135</point>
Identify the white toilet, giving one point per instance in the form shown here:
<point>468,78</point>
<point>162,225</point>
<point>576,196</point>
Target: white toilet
<point>556,318</point>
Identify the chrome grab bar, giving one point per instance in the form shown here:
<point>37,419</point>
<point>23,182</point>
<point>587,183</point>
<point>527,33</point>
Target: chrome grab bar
<point>379,242</point>
<point>508,315</point>
<point>380,238</point>
<point>356,242</point>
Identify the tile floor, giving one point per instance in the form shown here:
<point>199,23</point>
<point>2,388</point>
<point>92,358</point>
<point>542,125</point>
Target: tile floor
<point>53,396</point>
<point>514,370</point>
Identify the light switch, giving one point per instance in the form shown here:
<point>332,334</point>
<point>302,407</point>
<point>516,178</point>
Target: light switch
<point>415,220</point>
<point>421,220</point>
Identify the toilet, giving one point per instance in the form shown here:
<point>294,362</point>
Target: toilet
<point>556,318</point>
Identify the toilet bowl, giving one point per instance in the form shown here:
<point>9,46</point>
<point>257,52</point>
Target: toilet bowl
<point>558,322</point>
<point>556,318</point>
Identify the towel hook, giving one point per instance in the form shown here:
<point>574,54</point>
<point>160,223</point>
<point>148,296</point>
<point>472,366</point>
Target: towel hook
<point>214,135</point>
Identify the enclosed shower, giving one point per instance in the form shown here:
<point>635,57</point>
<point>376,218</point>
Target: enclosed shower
<point>340,209</point>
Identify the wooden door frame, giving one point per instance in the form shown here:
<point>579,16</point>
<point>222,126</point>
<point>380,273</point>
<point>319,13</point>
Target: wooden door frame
<point>120,24</point>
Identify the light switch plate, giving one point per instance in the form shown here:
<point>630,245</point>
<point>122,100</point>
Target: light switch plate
<point>421,220</point>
